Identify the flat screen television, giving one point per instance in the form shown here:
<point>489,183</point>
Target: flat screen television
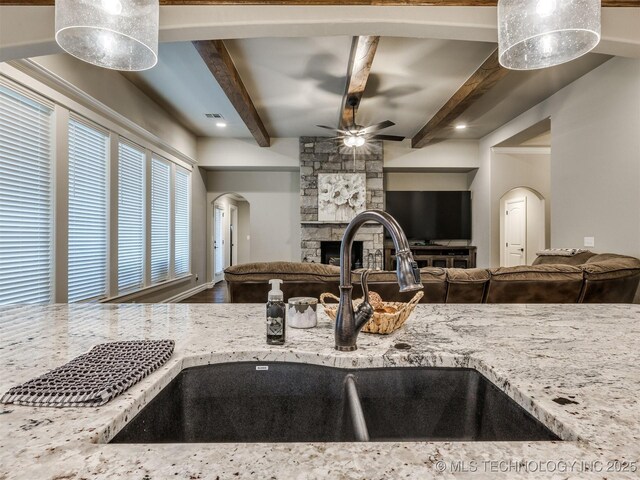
<point>432,215</point>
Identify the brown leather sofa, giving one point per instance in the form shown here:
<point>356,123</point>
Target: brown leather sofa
<point>604,278</point>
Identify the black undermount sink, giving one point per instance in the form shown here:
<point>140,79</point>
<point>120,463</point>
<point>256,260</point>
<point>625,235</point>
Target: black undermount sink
<point>292,402</point>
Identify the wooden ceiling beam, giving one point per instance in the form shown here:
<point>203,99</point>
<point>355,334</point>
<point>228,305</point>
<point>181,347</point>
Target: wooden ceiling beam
<point>483,79</point>
<point>363,49</point>
<point>219,62</point>
<point>385,3</point>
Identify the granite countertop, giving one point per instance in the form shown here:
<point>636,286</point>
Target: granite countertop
<point>536,353</point>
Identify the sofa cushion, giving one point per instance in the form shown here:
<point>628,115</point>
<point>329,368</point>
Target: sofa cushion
<point>535,284</point>
<point>610,278</point>
<point>466,285</point>
<point>609,265</point>
<point>536,272</point>
<point>427,274</point>
<point>467,275</point>
<point>286,271</point>
<point>577,259</point>
<point>385,283</point>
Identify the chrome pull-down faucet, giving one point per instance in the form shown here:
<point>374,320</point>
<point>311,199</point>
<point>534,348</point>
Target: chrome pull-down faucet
<point>350,322</point>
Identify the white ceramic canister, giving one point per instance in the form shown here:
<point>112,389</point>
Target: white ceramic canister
<point>302,312</point>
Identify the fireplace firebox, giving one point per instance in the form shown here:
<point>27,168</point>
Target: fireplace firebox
<point>330,253</point>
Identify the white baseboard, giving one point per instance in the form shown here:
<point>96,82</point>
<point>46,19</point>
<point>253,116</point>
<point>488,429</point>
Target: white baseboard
<point>188,293</point>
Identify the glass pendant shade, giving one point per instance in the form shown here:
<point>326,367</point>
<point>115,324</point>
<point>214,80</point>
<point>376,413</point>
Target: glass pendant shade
<point>115,34</point>
<point>541,33</point>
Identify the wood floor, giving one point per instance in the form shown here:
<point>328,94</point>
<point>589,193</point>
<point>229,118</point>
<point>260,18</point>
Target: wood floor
<point>217,294</point>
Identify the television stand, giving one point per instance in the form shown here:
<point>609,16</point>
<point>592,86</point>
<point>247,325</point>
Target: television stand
<point>434,256</point>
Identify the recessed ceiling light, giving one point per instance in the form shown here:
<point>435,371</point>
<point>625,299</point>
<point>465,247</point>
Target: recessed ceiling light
<point>461,126</point>
<point>221,124</point>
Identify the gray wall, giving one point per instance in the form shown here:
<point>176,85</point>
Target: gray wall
<point>244,232</point>
<point>274,203</point>
<point>417,181</point>
<point>595,163</point>
<point>520,170</point>
<point>243,228</point>
<point>595,167</point>
<point>199,225</point>
<point>116,92</point>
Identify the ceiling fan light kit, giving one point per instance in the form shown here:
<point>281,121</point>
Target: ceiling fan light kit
<point>357,135</point>
<point>536,34</point>
<point>354,141</point>
<point>114,34</point>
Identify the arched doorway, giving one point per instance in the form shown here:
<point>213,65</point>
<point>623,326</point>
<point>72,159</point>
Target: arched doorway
<point>523,226</point>
<point>229,236</point>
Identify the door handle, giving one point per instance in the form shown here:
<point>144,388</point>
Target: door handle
<point>522,249</point>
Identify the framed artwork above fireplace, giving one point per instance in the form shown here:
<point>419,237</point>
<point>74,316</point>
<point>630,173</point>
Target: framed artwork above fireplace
<point>341,196</point>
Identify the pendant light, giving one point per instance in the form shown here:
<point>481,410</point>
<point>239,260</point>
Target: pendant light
<point>115,34</point>
<point>542,33</point>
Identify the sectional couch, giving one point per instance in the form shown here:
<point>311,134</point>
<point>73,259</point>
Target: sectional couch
<point>583,278</point>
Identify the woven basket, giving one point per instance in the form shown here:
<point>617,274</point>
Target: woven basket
<point>382,323</point>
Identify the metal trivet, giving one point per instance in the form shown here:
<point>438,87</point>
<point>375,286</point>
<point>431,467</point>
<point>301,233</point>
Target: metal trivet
<point>94,378</point>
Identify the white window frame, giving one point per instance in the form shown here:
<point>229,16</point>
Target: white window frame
<point>188,173</point>
<point>108,200</point>
<point>41,100</point>
<point>170,240</point>
<point>115,207</point>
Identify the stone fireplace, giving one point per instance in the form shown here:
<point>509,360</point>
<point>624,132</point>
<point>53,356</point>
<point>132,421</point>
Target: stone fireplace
<point>322,155</point>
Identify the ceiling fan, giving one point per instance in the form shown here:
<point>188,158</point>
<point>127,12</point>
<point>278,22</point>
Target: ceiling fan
<point>356,135</point>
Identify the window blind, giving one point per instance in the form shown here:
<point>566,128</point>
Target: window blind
<point>130,218</point>
<point>25,199</point>
<point>160,228</point>
<point>182,257</point>
<point>88,156</point>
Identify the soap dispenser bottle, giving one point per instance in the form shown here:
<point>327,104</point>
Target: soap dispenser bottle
<point>276,309</point>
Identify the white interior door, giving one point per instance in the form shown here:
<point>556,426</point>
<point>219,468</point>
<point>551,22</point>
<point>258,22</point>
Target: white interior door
<point>218,243</point>
<point>233,235</point>
<point>515,229</point>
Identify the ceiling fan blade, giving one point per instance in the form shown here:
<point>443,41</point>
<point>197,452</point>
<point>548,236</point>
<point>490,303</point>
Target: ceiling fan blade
<point>392,138</point>
<point>377,126</point>
<point>333,128</point>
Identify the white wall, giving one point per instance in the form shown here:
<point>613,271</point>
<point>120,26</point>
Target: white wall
<point>274,203</point>
<point>520,170</point>
<point>595,163</point>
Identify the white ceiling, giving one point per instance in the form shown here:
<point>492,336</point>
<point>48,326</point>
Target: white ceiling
<point>297,83</point>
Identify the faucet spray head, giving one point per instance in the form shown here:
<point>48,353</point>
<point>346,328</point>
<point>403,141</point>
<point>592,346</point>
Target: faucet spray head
<point>408,272</point>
